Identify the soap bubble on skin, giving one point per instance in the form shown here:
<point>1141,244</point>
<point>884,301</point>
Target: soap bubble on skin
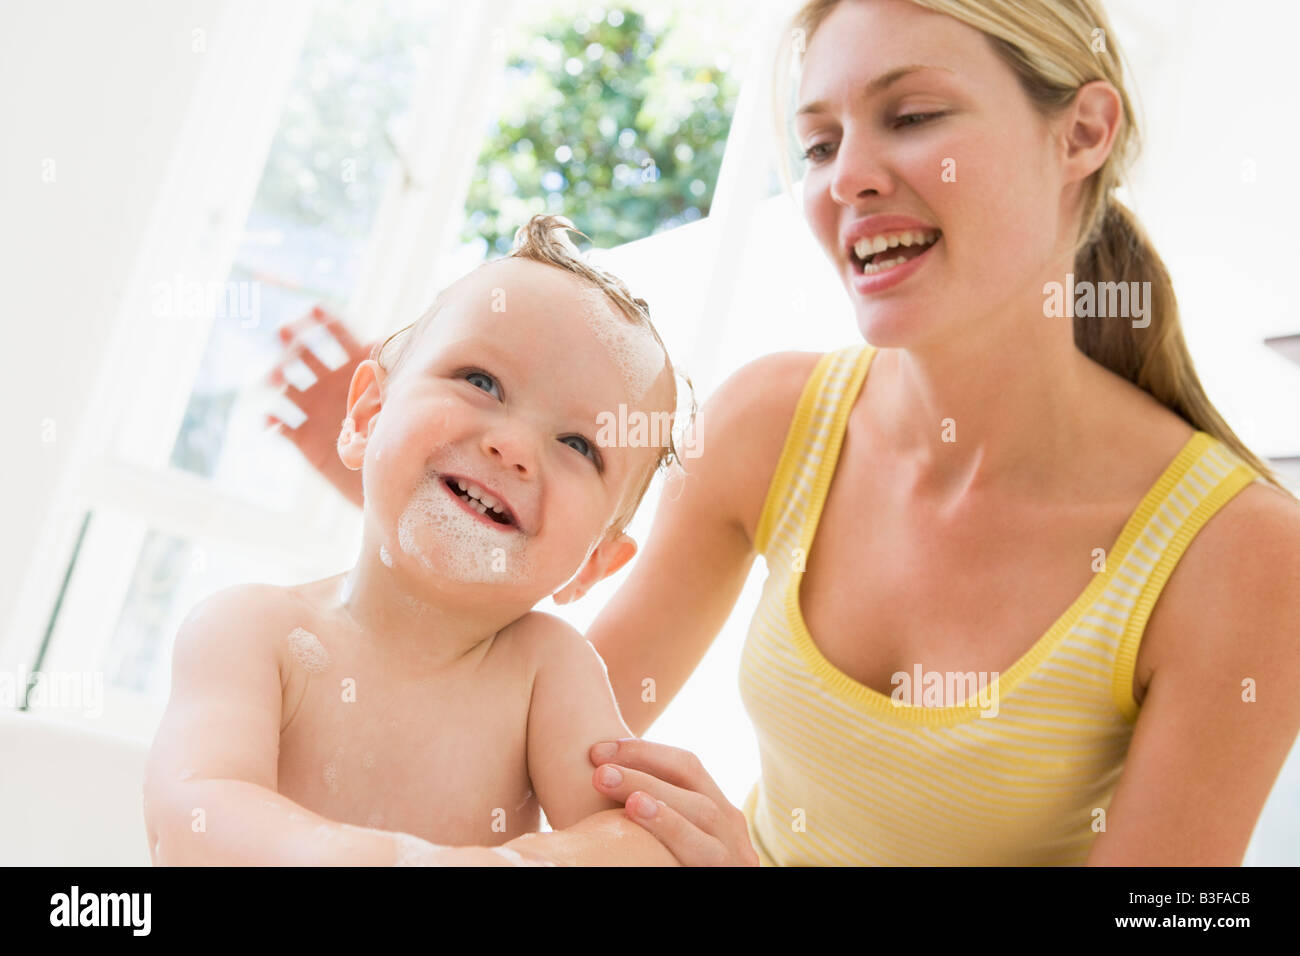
<point>412,851</point>
<point>631,347</point>
<point>331,772</point>
<point>385,557</point>
<point>517,858</point>
<point>308,651</point>
<point>444,537</point>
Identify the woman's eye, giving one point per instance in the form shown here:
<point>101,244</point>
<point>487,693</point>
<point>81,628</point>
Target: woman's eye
<point>812,155</point>
<point>582,447</point>
<point>475,378</point>
<point>913,119</point>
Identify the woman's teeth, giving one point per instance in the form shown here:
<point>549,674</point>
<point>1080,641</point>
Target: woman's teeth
<point>868,249</point>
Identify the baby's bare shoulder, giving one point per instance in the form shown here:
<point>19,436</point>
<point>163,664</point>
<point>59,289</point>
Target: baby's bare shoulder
<point>549,641</point>
<point>252,619</point>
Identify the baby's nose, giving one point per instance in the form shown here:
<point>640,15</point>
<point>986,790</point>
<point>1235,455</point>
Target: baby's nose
<point>512,448</point>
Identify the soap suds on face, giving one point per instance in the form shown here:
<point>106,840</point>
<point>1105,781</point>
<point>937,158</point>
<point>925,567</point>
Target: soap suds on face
<point>385,556</point>
<point>308,651</point>
<point>631,347</point>
<point>186,775</point>
<point>444,537</point>
<point>368,760</point>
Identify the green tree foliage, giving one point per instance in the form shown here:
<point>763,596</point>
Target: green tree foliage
<point>616,123</point>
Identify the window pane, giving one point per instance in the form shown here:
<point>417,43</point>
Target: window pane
<point>304,241</point>
<point>616,118</point>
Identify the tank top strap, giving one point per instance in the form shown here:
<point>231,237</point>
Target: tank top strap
<point>811,444</point>
<point>1201,480</point>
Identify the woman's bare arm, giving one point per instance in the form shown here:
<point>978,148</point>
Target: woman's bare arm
<point>1205,753</point>
<point>683,585</point>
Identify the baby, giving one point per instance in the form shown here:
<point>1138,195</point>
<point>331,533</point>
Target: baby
<point>417,703</point>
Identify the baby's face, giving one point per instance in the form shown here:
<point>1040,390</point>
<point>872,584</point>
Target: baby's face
<point>482,464</point>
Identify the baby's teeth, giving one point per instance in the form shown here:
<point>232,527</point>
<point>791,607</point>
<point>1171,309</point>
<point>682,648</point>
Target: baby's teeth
<point>489,501</point>
<point>461,483</point>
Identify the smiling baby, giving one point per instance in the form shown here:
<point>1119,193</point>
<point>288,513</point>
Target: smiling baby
<point>417,702</point>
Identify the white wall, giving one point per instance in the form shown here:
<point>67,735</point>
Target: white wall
<point>101,90</point>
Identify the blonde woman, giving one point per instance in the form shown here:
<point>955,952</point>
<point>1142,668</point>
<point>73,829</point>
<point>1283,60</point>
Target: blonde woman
<point>1047,508</point>
<point>937,499</point>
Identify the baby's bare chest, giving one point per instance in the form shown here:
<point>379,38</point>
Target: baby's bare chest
<point>441,756</point>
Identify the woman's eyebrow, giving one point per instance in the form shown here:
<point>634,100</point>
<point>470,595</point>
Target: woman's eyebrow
<point>876,86</point>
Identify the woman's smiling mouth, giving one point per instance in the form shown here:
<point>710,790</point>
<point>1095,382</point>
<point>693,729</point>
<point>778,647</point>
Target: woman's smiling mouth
<point>881,268</point>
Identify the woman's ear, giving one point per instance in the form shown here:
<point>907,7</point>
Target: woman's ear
<point>365,400</point>
<point>1091,127</point>
<point>610,555</point>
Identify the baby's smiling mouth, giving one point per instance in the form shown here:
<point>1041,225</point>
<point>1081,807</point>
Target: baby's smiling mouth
<point>479,500</point>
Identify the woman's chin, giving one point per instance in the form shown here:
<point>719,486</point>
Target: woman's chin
<point>889,327</point>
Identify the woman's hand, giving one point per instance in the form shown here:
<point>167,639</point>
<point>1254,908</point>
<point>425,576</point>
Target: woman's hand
<point>668,792</point>
<point>324,402</point>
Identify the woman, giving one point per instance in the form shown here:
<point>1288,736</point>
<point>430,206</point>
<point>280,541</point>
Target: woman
<point>1049,506</point>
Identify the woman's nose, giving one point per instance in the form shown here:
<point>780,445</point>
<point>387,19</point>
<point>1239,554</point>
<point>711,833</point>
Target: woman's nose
<point>858,171</point>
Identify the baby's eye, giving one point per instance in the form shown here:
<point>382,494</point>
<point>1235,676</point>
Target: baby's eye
<point>582,447</point>
<point>474,378</point>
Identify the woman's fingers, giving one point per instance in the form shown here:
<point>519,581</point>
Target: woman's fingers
<point>319,318</point>
<point>308,358</point>
<point>619,783</point>
<point>692,817</point>
<point>690,845</point>
<point>670,764</point>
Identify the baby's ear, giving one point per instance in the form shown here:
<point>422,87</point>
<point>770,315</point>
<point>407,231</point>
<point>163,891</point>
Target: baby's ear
<point>365,400</point>
<point>610,555</point>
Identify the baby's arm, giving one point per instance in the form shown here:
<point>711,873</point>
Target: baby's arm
<point>210,784</point>
<point>572,708</point>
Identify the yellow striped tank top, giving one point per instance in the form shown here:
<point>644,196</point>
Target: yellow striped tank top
<point>849,777</point>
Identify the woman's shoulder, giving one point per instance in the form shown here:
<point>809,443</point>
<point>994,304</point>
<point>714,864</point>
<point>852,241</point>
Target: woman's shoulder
<point>743,425</point>
<point>1234,594</point>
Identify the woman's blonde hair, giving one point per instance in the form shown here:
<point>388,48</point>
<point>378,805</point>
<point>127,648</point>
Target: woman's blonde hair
<point>1054,47</point>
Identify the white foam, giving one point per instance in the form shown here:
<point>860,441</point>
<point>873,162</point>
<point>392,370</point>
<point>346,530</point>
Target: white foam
<point>308,650</point>
<point>368,760</point>
<point>445,538</point>
<point>412,851</point>
<point>630,346</point>
<point>331,773</point>
<point>186,775</point>
<point>517,858</point>
<point>385,556</point>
